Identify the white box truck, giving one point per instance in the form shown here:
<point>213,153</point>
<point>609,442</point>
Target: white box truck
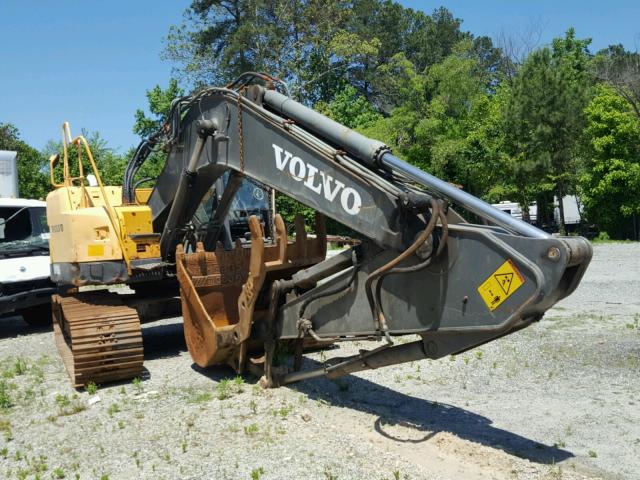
<point>25,287</point>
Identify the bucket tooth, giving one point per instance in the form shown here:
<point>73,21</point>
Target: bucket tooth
<point>219,290</point>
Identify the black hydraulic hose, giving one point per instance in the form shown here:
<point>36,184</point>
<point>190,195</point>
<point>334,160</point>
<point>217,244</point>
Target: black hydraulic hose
<point>141,181</point>
<point>417,267</point>
<point>141,154</point>
<point>422,238</point>
<point>331,291</point>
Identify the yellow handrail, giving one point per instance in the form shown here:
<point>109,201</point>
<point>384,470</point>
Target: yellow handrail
<point>79,143</point>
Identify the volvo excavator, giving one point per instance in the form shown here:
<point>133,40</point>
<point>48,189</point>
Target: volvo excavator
<point>432,262</point>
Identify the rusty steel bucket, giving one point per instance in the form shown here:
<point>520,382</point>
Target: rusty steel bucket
<point>220,290</point>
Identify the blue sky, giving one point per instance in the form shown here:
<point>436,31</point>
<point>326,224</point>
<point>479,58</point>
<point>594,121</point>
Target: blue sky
<point>91,62</point>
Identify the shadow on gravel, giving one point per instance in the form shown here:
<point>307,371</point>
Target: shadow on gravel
<point>395,408</point>
<point>391,407</point>
<point>163,340</point>
<point>12,327</point>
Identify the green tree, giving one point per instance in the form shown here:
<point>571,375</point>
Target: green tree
<point>610,184</point>
<point>159,103</point>
<point>349,108</point>
<point>33,180</point>
<point>301,42</point>
<point>545,118</point>
<point>313,45</point>
<point>441,121</point>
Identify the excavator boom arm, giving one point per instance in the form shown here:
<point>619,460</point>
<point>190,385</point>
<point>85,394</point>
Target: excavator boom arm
<point>421,269</point>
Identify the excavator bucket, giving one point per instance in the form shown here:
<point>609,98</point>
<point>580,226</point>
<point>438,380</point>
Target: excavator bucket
<point>220,290</point>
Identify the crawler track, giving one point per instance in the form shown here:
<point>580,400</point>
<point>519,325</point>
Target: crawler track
<point>98,337</point>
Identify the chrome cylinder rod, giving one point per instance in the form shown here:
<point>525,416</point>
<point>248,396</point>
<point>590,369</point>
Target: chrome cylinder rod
<point>464,199</point>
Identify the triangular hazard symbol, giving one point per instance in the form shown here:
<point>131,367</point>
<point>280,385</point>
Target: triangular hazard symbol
<point>504,279</point>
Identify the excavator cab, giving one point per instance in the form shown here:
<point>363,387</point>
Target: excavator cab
<point>251,199</point>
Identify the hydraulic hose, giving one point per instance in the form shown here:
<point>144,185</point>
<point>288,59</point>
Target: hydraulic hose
<point>422,238</point>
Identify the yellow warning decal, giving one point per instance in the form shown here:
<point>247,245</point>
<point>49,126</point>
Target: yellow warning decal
<point>95,250</point>
<point>500,285</point>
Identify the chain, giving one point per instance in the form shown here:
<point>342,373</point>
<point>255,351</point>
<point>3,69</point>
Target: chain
<point>240,130</point>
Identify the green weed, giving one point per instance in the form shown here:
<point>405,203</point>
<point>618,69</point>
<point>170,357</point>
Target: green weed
<point>5,428</point>
<point>113,409</point>
<point>251,429</point>
<point>69,405</point>
<point>5,397</point>
<point>223,389</point>
<point>137,385</point>
<point>227,388</point>
<point>256,473</point>
<point>20,366</point>
<point>198,396</point>
<point>58,473</point>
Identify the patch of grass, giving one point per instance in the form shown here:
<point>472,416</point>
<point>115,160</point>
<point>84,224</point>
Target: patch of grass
<point>227,388</point>
<point>58,473</point>
<point>199,396</point>
<point>20,366</point>
<point>603,238</point>
<point>5,397</point>
<point>238,384</point>
<point>137,385</point>
<point>5,428</point>
<point>256,473</point>
<point>251,429</point>
<point>285,410</point>
<point>136,457</point>
<point>113,409</point>
<point>91,388</point>
<point>223,389</point>
<point>69,405</point>
<point>593,454</point>
<point>253,406</point>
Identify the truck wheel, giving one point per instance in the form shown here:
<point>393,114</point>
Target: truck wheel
<point>38,315</point>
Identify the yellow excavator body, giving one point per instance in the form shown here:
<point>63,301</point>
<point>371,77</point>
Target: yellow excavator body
<point>96,240</point>
<point>82,230</point>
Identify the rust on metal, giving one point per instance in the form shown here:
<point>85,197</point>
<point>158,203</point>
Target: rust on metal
<point>99,338</point>
<point>219,290</point>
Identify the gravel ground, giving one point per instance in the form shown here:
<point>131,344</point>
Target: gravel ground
<point>557,400</point>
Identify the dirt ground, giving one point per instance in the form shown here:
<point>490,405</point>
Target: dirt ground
<point>558,400</point>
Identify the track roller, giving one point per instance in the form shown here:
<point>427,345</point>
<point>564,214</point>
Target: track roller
<point>98,337</point>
